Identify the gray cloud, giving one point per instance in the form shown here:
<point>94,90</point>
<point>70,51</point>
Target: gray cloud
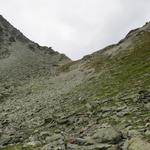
<point>76,27</point>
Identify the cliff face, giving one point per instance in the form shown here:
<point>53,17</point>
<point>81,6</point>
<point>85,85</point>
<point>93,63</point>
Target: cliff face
<point>49,102</point>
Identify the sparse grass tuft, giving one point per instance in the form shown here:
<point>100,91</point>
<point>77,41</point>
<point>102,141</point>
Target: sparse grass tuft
<point>66,67</point>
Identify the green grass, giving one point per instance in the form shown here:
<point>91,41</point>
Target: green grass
<point>66,67</point>
<point>126,72</point>
<point>17,147</point>
<point>129,69</point>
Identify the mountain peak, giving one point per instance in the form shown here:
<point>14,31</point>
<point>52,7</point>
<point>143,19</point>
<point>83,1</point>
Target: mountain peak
<point>22,57</point>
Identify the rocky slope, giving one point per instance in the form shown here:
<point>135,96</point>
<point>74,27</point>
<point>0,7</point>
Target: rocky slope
<point>21,58</point>
<point>101,102</point>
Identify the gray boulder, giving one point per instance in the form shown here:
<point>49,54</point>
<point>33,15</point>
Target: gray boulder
<point>136,144</point>
<point>109,135</point>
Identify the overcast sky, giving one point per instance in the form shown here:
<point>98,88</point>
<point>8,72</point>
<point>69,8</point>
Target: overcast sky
<point>76,27</point>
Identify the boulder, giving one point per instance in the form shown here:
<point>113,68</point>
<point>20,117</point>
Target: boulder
<point>107,135</point>
<point>33,143</point>
<point>147,106</point>
<point>136,144</point>
<point>147,133</point>
<point>5,140</point>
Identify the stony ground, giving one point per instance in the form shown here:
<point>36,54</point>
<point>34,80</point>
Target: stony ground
<point>48,102</point>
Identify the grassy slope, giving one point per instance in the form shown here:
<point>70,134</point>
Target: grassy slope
<point>126,71</point>
<point>18,147</point>
<point>123,75</point>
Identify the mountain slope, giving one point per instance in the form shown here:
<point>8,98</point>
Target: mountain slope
<point>21,58</point>
<point>99,102</point>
